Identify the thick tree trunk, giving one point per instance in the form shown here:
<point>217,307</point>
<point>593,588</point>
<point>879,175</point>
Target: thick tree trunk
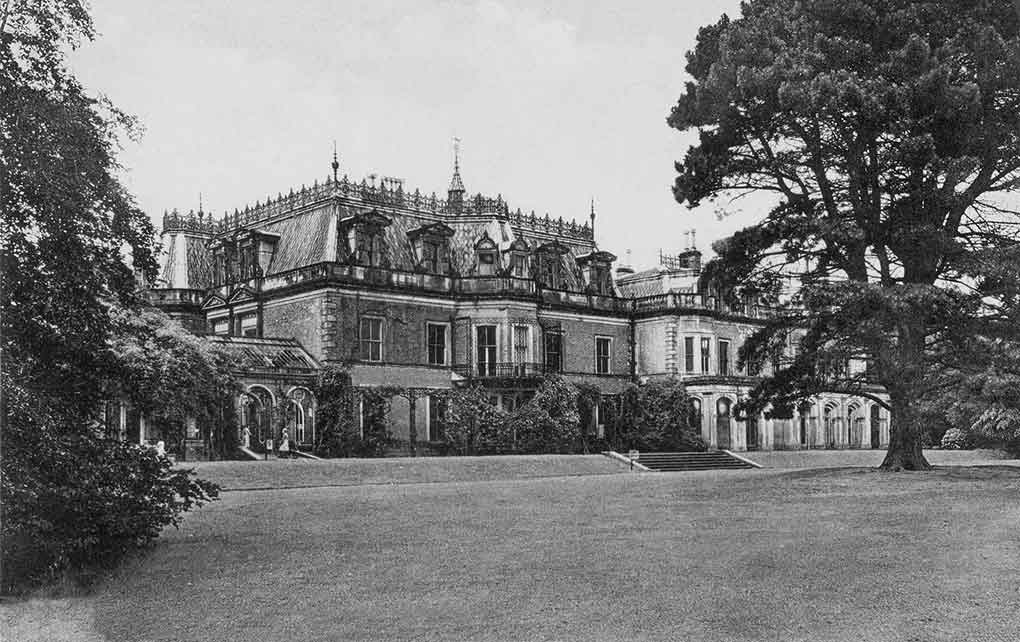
<point>904,377</point>
<point>904,436</point>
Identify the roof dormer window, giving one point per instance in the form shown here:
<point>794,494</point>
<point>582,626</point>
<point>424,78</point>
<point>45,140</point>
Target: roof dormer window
<point>597,268</point>
<point>487,255</point>
<point>431,245</point>
<point>367,233</point>
<point>519,259</point>
<point>550,265</point>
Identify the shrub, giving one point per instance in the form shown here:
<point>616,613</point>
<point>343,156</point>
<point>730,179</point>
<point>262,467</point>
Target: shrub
<point>75,502</point>
<point>474,426</point>
<point>658,415</point>
<point>997,427</point>
<point>549,422</point>
<point>956,439</point>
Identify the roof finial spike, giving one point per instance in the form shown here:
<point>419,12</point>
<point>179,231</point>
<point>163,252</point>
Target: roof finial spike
<point>336,162</point>
<point>200,202</point>
<point>456,191</point>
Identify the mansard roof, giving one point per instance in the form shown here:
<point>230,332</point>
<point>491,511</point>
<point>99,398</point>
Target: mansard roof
<point>311,226</point>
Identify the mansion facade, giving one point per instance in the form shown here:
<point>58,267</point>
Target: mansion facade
<point>424,293</point>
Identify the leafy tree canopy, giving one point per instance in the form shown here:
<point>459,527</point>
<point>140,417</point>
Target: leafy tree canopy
<point>68,223</point>
<point>888,132</point>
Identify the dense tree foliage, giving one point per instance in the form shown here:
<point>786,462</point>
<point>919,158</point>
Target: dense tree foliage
<point>888,132</point>
<point>173,376</point>
<point>67,220</point>
<point>70,496</point>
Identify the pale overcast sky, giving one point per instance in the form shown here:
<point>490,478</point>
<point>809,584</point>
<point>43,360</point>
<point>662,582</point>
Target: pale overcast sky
<point>554,104</point>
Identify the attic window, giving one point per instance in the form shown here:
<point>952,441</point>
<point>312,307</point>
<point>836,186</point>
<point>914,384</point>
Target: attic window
<point>486,262</point>
<point>551,271</point>
<point>370,247</point>
<point>519,259</point>
<point>486,251</point>
<point>596,267</point>
<point>431,243</point>
<point>600,279</point>
<point>368,238</point>
<point>430,256</point>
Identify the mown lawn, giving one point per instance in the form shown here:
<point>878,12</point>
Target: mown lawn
<point>297,473</point>
<point>848,554</point>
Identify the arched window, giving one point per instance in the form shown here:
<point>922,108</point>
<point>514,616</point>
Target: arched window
<point>300,416</point>
<point>854,426</point>
<point>829,425</point>
<point>256,414</point>
<point>296,421</point>
<point>694,419</point>
<point>803,420</point>
<point>722,422</point>
<point>486,254</point>
<point>876,426</point>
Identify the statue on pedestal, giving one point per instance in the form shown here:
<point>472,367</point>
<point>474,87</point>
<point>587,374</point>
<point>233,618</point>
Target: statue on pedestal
<point>284,443</point>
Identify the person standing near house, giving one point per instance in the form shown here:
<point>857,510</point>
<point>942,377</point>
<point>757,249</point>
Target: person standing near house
<point>284,449</point>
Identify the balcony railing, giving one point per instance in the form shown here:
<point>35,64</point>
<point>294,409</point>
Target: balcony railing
<point>688,301</point>
<point>496,370</point>
<point>496,285</point>
<point>175,296</point>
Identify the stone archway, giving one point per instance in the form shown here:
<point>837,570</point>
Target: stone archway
<point>256,416</point>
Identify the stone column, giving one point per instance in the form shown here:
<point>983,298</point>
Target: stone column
<point>412,430</point>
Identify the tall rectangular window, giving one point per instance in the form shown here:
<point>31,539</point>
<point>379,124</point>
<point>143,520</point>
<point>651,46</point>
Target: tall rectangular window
<point>550,271</point>
<point>437,418</point>
<point>706,354</point>
<point>724,357</point>
<point>554,351</point>
<point>603,353</point>
<point>371,339</point>
<point>486,263</point>
<point>520,265</point>
<point>249,325</point>
<point>689,354</point>
<point>520,346</point>
<point>430,257</point>
<point>486,350</point>
<point>436,340</point>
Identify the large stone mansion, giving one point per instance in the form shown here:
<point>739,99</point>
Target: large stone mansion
<point>426,293</point>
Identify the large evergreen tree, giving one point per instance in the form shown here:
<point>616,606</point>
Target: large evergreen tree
<point>888,132</point>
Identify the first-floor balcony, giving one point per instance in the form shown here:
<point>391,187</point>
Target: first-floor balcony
<point>500,370</point>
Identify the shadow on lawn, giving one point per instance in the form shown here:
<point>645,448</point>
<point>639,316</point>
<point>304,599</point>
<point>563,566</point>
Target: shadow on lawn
<point>939,473</point>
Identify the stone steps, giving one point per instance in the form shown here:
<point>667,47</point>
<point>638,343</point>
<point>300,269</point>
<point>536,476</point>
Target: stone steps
<point>685,461</point>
